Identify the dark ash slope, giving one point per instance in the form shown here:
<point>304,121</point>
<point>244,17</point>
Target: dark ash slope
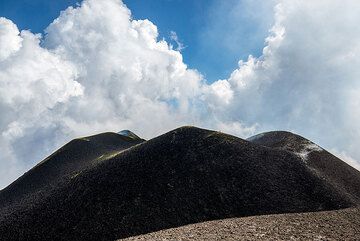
<point>345,178</point>
<point>185,176</point>
<point>73,158</point>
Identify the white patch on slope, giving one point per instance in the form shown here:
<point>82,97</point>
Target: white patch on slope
<point>307,147</point>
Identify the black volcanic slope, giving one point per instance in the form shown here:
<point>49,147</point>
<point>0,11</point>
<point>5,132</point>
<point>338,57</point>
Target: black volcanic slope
<point>185,176</point>
<point>342,176</point>
<point>67,162</point>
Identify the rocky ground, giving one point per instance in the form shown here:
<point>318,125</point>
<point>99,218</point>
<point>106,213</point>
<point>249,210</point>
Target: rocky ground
<point>330,225</point>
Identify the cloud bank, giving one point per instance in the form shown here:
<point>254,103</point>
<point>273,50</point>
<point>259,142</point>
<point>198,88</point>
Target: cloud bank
<point>97,69</point>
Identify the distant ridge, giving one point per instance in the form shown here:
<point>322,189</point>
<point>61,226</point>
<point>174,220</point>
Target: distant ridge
<point>129,134</point>
<point>119,187</point>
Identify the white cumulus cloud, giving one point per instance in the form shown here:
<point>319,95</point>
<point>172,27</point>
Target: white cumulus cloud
<point>10,41</point>
<point>96,69</point>
<point>33,81</point>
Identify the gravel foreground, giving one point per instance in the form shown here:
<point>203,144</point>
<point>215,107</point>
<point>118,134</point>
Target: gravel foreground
<point>330,225</point>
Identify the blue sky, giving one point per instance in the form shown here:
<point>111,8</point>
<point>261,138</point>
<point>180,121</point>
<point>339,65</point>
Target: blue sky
<point>216,34</point>
<point>36,14</point>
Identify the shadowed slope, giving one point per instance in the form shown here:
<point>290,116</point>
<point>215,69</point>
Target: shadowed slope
<point>67,162</point>
<point>185,176</point>
<point>344,177</point>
